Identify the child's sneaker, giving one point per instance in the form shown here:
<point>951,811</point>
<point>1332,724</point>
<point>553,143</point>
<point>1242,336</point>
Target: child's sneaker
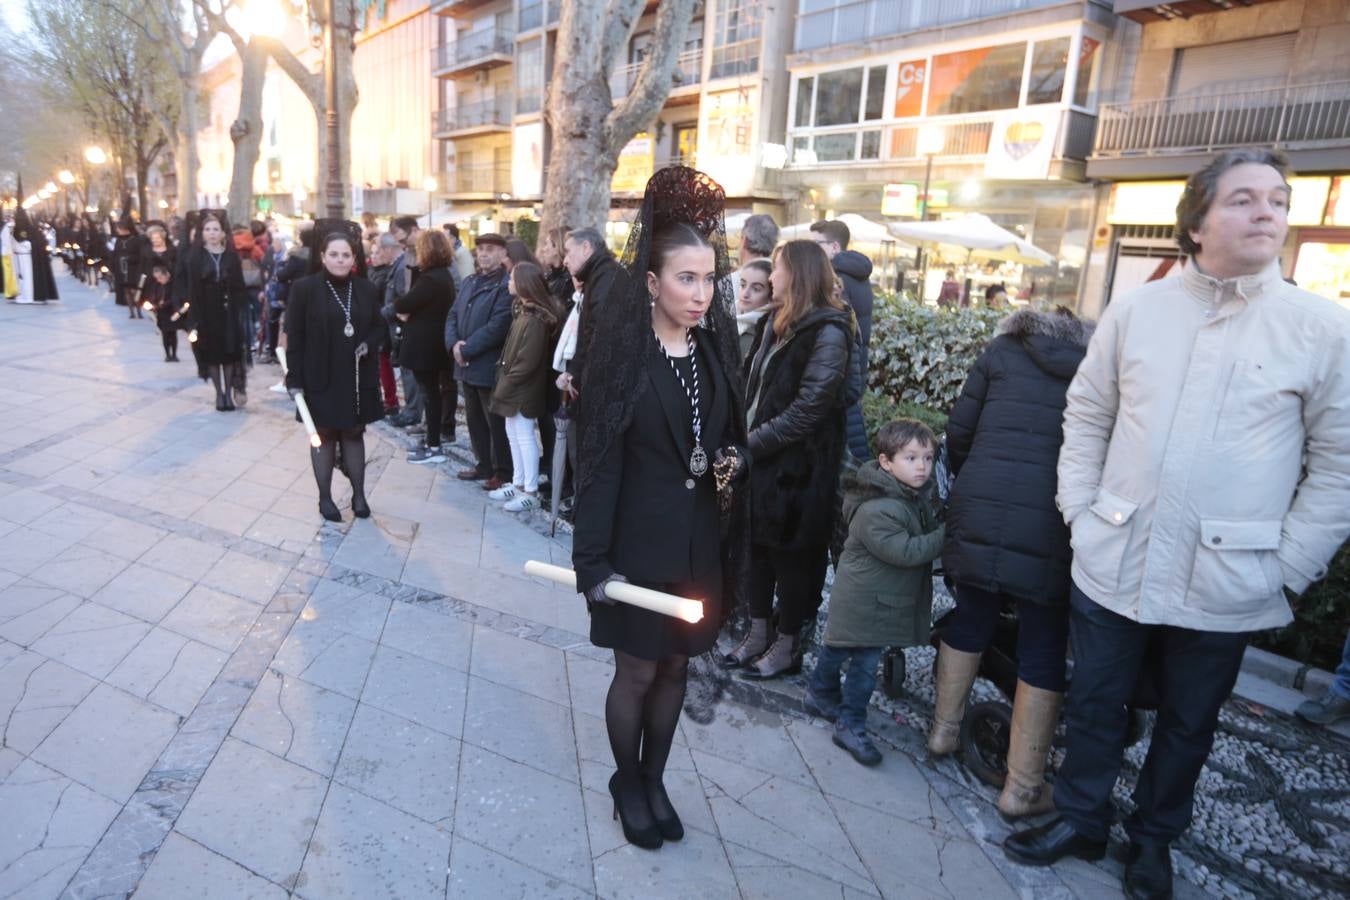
<point>820,708</point>
<point>521,503</point>
<point>859,746</point>
<point>426,455</point>
<point>505,492</point>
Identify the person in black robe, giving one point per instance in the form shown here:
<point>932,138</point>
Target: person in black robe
<point>126,254</point>
<point>213,287</point>
<point>39,271</point>
<point>334,332</point>
<point>157,294</point>
<point>661,427</point>
<point>155,250</point>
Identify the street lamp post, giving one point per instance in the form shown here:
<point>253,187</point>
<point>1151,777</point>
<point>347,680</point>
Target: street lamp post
<point>429,184</point>
<point>930,143</point>
<point>334,190</point>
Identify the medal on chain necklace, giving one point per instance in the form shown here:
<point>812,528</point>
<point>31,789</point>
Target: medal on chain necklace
<point>698,459</point>
<point>347,329</point>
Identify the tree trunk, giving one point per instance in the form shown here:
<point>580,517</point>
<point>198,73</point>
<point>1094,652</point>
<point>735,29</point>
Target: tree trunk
<point>588,130</point>
<point>187,160</point>
<point>246,131</point>
<point>143,161</point>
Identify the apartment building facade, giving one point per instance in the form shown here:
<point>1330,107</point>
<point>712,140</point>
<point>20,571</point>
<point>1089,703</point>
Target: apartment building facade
<point>493,63</point>
<point>992,102</point>
<point>1270,73</point>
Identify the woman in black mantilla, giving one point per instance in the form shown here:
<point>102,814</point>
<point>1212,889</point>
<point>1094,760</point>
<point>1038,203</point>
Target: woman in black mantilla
<point>334,332</point>
<point>213,285</point>
<point>660,410</point>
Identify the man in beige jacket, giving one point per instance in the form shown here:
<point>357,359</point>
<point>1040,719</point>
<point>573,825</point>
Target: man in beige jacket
<point>1205,468</point>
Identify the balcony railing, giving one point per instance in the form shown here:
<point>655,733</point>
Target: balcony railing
<point>688,72</point>
<point>532,15</point>
<point>456,7</point>
<point>486,178</point>
<point>850,22</point>
<point>495,113</point>
<point>1297,116</point>
<point>965,139</point>
<point>741,58</point>
<point>529,100</point>
<point>477,49</point>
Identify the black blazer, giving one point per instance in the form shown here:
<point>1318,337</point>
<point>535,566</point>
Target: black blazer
<point>644,515</point>
<point>428,303</point>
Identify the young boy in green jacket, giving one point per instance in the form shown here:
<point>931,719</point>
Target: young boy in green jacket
<point>883,584</point>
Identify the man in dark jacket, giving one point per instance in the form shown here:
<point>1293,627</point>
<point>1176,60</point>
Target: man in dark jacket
<point>589,260</point>
<point>474,334</point>
<point>399,281</point>
<point>855,271</point>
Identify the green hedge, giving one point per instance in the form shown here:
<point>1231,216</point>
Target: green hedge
<point>919,361</point>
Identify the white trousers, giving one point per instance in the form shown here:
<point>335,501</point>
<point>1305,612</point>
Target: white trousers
<point>524,452</point>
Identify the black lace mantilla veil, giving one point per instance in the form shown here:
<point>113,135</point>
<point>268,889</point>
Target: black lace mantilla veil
<point>614,376</point>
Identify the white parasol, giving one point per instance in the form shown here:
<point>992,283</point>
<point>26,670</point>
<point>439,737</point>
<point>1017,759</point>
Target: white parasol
<point>978,236</point>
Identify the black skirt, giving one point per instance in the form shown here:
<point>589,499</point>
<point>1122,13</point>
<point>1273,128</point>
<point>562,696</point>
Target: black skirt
<point>651,636</point>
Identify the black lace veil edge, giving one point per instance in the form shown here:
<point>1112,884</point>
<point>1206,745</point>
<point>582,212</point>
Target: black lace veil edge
<point>355,235</point>
<point>614,378</point>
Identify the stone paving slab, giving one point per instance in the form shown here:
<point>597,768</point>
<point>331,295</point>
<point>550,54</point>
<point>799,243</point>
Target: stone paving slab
<point>207,691</point>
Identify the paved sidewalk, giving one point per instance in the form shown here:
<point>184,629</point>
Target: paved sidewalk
<point>206,691</point>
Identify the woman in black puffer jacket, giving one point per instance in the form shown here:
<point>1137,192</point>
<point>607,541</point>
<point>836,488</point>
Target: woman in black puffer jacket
<point>797,376</point>
<point>1006,540</point>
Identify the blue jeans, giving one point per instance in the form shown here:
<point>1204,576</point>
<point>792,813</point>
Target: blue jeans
<point>1341,686</point>
<point>858,686</point>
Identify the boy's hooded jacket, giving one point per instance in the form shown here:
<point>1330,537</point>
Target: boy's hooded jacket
<point>883,586</point>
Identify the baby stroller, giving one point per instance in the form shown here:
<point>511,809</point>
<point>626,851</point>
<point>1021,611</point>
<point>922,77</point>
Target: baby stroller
<point>986,725</point>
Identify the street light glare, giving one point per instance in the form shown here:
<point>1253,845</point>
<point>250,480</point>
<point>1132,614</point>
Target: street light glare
<point>50,187</point>
<point>95,156</point>
<point>265,18</point>
<point>429,183</point>
<point>931,141</point>
<point>65,176</point>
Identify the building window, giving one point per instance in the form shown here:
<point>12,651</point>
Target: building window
<point>530,76</point>
<point>839,96</point>
<point>736,32</point>
<point>1085,88</point>
<point>876,93</point>
<point>976,80</point>
<point>805,92</point>
<point>1049,63</point>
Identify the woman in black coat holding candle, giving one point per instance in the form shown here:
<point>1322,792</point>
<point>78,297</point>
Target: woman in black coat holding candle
<point>660,429</point>
<point>212,282</point>
<point>334,332</point>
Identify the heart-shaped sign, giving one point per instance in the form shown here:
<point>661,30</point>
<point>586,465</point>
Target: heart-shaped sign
<point>1021,138</point>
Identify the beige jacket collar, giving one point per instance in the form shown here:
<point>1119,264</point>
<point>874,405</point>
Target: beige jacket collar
<point>1210,291</point>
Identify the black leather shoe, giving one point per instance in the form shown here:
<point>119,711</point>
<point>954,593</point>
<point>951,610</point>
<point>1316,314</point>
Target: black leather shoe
<point>1049,843</point>
<point>1148,872</point>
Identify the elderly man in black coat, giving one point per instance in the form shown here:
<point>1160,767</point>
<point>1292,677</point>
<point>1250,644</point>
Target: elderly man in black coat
<point>474,334</point>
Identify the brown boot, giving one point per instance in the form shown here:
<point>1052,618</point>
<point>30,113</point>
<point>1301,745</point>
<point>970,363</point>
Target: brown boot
<point>956,671</point>
<point>1025,793</point>
<point>755,642</point>
<point>777,660</point>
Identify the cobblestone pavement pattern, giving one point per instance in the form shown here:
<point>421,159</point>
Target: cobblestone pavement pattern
<point>207,692</point>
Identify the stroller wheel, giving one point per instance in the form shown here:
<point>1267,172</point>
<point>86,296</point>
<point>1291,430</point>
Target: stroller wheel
<point>984,741</point>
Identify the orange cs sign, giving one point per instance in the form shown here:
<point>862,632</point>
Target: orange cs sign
<point>909,88</point>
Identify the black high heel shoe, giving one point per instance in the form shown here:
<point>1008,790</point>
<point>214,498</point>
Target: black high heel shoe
<point>329,510</point>
<point>648,838</point>
<point>671,828</point>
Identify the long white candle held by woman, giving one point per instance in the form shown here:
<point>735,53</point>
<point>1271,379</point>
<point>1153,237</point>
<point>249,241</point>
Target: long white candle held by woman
<point>300,405</point>
<point>646,598</point>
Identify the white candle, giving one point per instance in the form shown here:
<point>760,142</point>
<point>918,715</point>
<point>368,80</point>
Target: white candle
<point>646,598</point>
<point>300,405</point>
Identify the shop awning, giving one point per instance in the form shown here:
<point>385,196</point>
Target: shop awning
<point>978,236</point>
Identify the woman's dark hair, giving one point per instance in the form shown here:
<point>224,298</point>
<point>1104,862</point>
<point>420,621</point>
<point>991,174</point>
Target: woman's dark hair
<point>333,237</point>
<point>518,252</point>
<point>213,216</point>
<point>763,265</point>
<point>993,289</point>
<point>893,436</point>
<point>432,249</point>
<point>532,291</point>
<point>1198,196</point>
<point>810,283</point>
<point>674,237</point>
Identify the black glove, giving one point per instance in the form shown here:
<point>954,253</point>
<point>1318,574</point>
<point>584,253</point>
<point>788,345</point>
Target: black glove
<point>596,596</point>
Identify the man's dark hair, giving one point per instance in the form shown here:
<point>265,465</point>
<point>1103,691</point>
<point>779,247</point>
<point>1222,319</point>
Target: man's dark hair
<point>834,230</point>
<point>406,224</point>
<point>256,227</point>
<point>893,436</point>
<point>451,229</point>
<point>1198,196</point>
<point>587,236</point>
<point>759,234</point>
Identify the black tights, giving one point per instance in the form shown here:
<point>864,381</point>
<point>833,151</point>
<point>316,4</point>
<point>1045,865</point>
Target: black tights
<point>225,378</point>
<point>170,338</point>
<point>642,711</point>
<point>324,458</point>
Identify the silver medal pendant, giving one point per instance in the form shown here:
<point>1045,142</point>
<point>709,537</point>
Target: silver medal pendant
<point>348,330</point>
<point>698,460</point>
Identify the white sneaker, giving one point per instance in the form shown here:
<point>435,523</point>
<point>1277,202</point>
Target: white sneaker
<point>505,492</point>
<point>426,455</point>
<point>522,503</point>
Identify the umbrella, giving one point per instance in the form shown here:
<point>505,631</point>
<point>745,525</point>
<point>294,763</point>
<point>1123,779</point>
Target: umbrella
<point>861,230</point>
<point>555,481</point>
<point>978,236</point>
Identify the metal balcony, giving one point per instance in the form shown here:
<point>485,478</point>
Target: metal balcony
<point>688,74</point>
<point>475,118</point>
<point>866,20</point>
<point>1293,117</point>
<point>487,179</point>
<point>473,52</point>
<point>456,8</point>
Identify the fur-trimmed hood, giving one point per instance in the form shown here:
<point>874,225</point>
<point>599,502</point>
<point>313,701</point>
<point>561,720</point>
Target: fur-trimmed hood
<point>1055,342</point>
